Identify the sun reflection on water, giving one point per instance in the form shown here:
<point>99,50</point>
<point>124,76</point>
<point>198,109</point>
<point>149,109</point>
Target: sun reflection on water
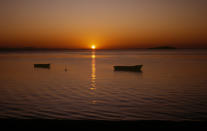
<point>93,72</point>
<point>93,76</point>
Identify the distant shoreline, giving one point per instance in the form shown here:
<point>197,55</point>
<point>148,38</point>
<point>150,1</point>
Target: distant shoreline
<point>64,49</point>
<point>164,48</point>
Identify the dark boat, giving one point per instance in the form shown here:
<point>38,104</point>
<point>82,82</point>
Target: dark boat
<point>128,68</point>
<point>42,66</point>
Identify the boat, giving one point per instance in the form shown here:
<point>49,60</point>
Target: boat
<point>42,66</point>
<point>128,68</point>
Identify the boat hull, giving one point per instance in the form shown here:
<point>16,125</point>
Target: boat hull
<point>42,66</point>
<point>128,68</point>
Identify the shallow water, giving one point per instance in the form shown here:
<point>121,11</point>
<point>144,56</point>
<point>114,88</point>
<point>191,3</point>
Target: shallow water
<point>171,86</point>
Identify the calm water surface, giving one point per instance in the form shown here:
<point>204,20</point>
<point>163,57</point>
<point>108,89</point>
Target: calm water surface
<point>171,86</point>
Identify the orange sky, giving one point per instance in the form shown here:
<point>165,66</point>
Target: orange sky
<point>78,24</point>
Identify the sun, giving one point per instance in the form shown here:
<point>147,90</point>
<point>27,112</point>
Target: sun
<point>93,47</point>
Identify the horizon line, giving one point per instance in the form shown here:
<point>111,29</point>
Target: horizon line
<point>36,49</point>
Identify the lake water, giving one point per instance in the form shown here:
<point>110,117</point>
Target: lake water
<point>171,86</point>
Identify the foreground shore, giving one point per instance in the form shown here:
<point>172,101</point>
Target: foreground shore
<point>99,124</point>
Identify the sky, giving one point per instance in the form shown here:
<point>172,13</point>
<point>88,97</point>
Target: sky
<point>109,24</point>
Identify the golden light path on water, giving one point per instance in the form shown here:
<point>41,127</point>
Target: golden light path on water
<point>93,74</point>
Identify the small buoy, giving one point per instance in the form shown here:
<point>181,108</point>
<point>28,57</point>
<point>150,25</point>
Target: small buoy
<point>66,68</point>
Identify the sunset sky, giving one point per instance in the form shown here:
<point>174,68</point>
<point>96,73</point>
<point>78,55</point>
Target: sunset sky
<point>109,24</point>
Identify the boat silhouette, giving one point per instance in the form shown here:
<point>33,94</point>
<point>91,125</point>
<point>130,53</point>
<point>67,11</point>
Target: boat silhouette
<point>128,68</point>
<point>42,66</point>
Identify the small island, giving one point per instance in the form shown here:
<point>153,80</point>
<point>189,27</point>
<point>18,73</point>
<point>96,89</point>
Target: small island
<point>163,48</point>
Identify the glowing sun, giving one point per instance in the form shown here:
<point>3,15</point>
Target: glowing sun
<point>93,47</point>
